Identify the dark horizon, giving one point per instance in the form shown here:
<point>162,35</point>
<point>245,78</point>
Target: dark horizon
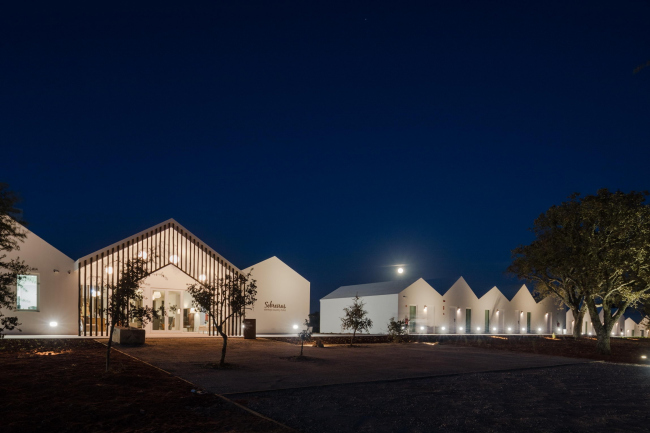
<point>342,138</point>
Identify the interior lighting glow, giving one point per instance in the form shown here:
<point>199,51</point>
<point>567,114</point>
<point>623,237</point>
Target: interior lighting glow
<point>142,255</point>
<point>173,258</point>
<point>400,270</point>
<point>295,326</point>
<point>54,324</point>
<point>202,277</point>
<point>109,270</point>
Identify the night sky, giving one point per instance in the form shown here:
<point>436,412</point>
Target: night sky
<point>342,137</point>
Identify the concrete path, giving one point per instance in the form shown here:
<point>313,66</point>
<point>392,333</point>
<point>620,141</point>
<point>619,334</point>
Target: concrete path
<point>261,365</point>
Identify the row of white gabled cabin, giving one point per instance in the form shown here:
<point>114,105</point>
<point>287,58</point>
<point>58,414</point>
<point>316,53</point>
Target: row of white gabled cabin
<point>624,326</point>
<point>457,310</point>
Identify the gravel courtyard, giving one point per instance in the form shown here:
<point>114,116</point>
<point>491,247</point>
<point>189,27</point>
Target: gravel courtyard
<point>261,364</point>
<point>413,387</point>
<point>584,397</point>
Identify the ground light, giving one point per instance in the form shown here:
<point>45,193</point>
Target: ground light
<point>461,328</point>
<point>523,329</point>
<point>443,328</point>
<point>642,356</point>
<point>295,326</point>
<point>173,258</point>
<point>421,328</point>
<point>54,324</point>
<point>509,329</point>
<point>478,329</point>
<point>494,329</point>
<point>109,270</point>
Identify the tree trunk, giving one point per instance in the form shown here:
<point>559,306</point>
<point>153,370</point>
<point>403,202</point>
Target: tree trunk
<point>603,342</point>
<point>225,345</point>
<point>110,343</point>
<point>578,315</point>
<point>352,338</point>
<point>302,343</point>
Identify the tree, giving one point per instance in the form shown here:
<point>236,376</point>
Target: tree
<point>614,257</point>
<point>397,330</point>
<point>124,295</point>
<point>304,335</point>
<point>12,233</point>
<point>221,300</point>
<point>601,250</point>
<point>314,321</point>
<point>546,262</point>
<point>355,318</point>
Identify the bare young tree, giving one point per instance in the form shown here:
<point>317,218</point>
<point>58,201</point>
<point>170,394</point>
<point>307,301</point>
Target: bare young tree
<point>355,318</point>
<point>12,233</point>
<point>304,335</point>
<point>125,295</point>
<point>224,299</point>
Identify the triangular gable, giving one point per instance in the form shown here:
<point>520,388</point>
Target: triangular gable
<point>460,286</point>
<point>523,292</point>
<point>169,234</point>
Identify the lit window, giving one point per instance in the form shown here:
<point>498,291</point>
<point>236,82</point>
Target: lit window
<point>27,296</point>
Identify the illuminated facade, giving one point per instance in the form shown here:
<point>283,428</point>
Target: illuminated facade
<point>68,297</point>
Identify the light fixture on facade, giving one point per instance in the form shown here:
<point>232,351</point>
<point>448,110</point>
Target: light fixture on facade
<point>173,259</point>
<point>109,270</point>
<point>425,308</point>
<point>178,311</point>
<point>243,326</point>
<point>54,324</point>
<point>202,277</point>
<point>142,255</point>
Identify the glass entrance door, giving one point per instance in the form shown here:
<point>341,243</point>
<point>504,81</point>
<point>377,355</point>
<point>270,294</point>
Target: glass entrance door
<point>412,314</point>
<point>168,305</point>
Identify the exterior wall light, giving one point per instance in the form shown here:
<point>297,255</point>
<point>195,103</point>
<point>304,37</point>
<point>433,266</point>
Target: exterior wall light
<point>173,259</point>
<point>109,270</point>
<point>54,324</point>
<point>295,326</point>
<point>425,308</point>
<point>178,311</point>
<point>202,277</point>
<point>243,326</point>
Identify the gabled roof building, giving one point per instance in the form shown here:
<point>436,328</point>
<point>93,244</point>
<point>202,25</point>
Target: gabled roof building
<point>68,297</point>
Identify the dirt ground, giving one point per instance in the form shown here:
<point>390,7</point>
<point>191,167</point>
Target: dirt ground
<point>61,386</point>
<point>625,350</point>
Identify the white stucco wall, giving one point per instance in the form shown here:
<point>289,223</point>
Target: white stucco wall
<point>281,286</point>
<point>380,310</point>
<point>57,291</point>
<point>420,294</point>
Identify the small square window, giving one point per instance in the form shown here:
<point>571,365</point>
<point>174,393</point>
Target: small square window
<point>27,295</point>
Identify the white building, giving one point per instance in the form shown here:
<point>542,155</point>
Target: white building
<point>625,326</point>
<point>66,297</point>
<point>435,307</point>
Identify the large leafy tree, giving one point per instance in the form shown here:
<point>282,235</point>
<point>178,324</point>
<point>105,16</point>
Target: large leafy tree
<point>125,296</point>
<point>356,318</point>
<point>547,262</point>
<point>12,233</point>
<point>602,252</point>
<point>614,257</point>
<point>224,299</point>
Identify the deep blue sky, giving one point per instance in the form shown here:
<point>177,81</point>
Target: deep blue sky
<point>342,137</point>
